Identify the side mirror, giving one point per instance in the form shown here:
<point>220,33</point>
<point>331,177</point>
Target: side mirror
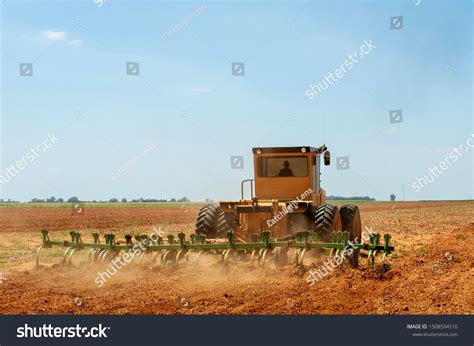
<point>327,158</point>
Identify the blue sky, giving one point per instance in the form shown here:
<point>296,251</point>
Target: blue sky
<point>188,107</point>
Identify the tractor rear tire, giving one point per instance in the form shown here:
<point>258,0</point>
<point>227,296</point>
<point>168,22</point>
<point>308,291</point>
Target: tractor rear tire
<point>326,221</point>
<point>350,217</point>
<point>225,223</point>
<point>207,220</point>
<point>311,212</point>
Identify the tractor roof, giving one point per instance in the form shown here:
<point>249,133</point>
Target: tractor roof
<point>277,150</point>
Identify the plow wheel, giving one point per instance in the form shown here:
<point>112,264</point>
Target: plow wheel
<point>259,257</point>
<point>350,217</point>
<point>199,256</point>
<point>326,220</point>
<point>179,255</point>
<point>225,256</point>
<point>263,257</point>
<point>168,258</point>
<point>68,258</point>
<point>194,256</point>
<point>65,260</point>
<point>253,256</point>
<point>67,253</point>
<point>105,256</point>
<point>299,256</point>
<point>149,263</point>
<point>186,256</point>
<point>91,255</point>
<point>207,220</point>
<point>38,255</point>
<point>94,255</point>
<point>41,248</point>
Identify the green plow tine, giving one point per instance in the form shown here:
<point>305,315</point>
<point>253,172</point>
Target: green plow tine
<point>386,250</point>
<point>182,240</point>
<point>96,238</point>
<point>333,240</point>
<point>375,242</point>
<point>338,240</point>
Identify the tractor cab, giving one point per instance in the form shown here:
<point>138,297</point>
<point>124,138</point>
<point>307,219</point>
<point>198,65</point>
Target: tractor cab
<point>286,173</point>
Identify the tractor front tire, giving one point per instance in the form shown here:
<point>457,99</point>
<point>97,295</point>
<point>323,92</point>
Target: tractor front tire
<point>207,220</point>
<point>225,223</point>
<point>326,221</point>
<point>350,217</point>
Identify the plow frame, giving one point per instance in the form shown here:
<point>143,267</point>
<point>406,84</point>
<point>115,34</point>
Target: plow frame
<point>181,247</point>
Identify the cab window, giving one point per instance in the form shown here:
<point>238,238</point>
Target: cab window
<point>282,166</point>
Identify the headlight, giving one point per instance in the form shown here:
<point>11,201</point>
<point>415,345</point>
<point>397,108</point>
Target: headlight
<point>303,150</point>
<point>259,151</point>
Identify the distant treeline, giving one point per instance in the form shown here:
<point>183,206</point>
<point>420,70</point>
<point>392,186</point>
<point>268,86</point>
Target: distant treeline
<point>75,199</point>
<point>354,198</point>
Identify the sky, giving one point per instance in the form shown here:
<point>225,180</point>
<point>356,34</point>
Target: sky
<point>169,128</point>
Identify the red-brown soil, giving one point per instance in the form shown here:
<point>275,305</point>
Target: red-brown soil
<point>431,270</point>
<point>28,219</point>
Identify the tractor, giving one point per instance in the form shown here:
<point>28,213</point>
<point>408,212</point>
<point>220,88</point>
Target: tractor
<point>286,197</point>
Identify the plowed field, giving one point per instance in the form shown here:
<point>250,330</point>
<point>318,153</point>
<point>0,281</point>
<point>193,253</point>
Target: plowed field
<point>431,270</point>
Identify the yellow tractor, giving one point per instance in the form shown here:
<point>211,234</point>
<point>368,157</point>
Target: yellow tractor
<point>286,197</point>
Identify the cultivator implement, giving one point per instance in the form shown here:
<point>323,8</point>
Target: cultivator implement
<point>171,250</point>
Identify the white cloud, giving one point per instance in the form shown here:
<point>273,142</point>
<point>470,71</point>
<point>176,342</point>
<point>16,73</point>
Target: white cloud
<point>53,35</point>
<point>74,43</point>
